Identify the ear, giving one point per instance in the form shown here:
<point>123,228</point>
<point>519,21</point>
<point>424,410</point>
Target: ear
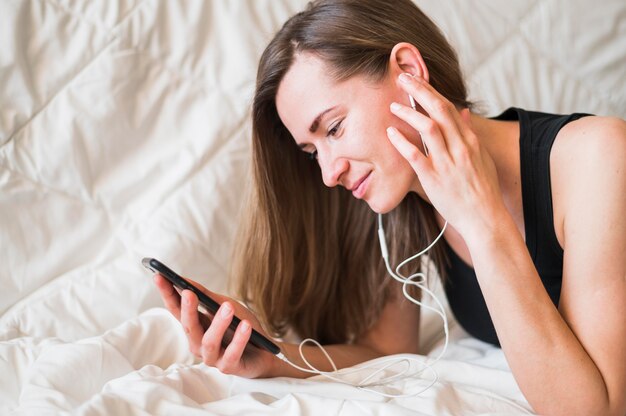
<point>407,58</point>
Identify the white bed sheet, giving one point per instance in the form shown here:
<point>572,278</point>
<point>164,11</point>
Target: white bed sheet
<point>124,132</point>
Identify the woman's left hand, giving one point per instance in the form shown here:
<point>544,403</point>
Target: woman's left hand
<point>458,175</point>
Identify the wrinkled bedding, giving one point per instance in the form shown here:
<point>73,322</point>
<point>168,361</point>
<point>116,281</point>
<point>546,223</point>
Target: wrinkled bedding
<point>125,132</point>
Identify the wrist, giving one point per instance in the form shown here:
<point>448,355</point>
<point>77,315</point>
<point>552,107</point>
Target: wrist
<point>492,229</point>
<point>279,368</point>
<point>275,364</point>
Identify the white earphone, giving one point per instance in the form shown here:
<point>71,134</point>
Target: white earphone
<point>414,106</point>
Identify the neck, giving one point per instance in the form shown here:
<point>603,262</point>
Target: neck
<point>501,140</point>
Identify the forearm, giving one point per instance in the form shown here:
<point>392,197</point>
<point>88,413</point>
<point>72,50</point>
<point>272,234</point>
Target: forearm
<point>552,368</point>
<point>343,355</point>
<point>395,331</point>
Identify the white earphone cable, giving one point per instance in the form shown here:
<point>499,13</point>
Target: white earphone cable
<point>411,280</point>
<point>366,384</point>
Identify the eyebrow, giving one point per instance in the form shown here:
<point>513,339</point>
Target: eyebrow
<point>318,119</point>
<point>316,123</point>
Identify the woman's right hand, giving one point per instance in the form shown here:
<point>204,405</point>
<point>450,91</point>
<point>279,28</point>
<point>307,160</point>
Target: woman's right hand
<point>208,340</point>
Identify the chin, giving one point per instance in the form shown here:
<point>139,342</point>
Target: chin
<point>382,206</point>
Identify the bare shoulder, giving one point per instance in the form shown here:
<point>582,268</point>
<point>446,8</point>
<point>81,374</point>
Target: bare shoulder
<point>588,169</point>
<point>589,147</point>
<point>592,139</point>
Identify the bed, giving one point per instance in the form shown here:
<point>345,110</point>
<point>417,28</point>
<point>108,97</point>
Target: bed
<point>125,132</point>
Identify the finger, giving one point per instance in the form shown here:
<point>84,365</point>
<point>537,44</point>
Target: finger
<point>171,298</point>
<point>466,116</point>
<point>426,95</point>
<point>190,321</point>
<point>427,128</point>
<point>468,128</point>
<point>233,353</point>
<point>212,339</point>
<point>438,108</point>
<point>408,150</point>
<point>205,319</point>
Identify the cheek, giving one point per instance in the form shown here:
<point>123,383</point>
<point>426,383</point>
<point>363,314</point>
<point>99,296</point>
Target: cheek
<point>369,138</point>
<point>371,142</point>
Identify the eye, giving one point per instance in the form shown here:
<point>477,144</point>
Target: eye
<point>313,155</point>
<point>334,129</point>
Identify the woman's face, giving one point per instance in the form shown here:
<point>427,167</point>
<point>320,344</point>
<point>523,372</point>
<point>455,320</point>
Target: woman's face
<point>345,123</point>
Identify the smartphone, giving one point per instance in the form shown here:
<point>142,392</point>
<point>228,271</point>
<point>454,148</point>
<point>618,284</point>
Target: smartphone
<point>210,305</point>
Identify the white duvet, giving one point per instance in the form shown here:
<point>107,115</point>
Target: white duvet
<point>124,133</point>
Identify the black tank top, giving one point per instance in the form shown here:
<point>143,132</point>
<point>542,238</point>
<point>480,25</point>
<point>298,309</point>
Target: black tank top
<point>537,134</point>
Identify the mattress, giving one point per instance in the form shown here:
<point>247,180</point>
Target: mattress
<point>125,132</point>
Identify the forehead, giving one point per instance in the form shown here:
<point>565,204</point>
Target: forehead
<point>306,90</point>
<point>306,67</point>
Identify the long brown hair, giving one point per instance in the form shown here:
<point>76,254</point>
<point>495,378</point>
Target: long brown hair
<point>307,257</point>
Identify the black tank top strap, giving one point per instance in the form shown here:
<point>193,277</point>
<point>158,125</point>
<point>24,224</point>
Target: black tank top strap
<point>538,132</point>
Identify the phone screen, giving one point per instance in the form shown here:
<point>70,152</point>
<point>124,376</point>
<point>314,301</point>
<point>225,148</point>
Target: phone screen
<point>206,303</point>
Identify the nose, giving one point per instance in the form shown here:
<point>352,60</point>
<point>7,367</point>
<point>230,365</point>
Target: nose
<point>332,167</point>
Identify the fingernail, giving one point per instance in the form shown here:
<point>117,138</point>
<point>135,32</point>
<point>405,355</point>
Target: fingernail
<point>406,78</point>
<point>245,326</point>
<point>395,107</point>
<point>391,131</point>
<point>226,310</point>
<point>187,300</point>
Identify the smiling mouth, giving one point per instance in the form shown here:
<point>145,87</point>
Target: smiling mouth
<point>359,189</point>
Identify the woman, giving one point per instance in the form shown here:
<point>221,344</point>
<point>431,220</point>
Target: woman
<point>533,257</point>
